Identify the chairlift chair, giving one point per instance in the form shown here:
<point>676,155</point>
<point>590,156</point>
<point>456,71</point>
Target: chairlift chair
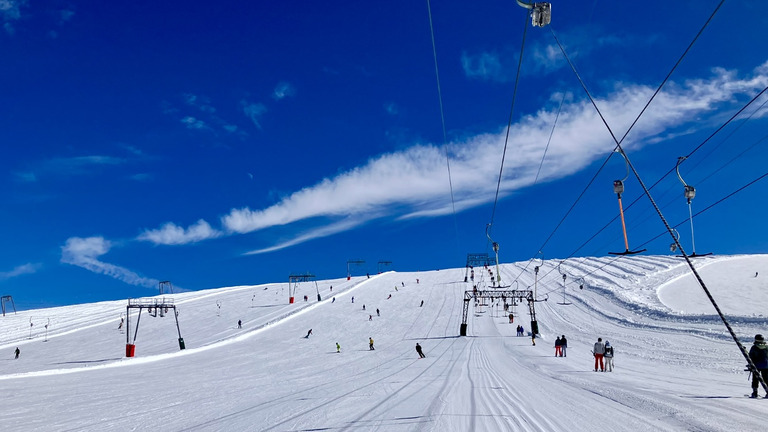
<point>618,189</point>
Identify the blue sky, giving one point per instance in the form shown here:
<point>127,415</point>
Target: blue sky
<point>236,143</point>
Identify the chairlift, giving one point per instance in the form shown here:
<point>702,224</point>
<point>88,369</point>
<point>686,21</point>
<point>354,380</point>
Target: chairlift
<point>541,12</point>
<point>618,189</point>
<point>689,193</point>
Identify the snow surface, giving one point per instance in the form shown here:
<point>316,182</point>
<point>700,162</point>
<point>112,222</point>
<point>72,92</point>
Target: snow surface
<point>676,366</point>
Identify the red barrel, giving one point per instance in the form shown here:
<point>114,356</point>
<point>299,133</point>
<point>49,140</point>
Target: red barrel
<point>290,300</point>
<point>130,350</point>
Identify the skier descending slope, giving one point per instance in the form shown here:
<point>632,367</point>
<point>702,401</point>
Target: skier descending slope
<point>419,351</point>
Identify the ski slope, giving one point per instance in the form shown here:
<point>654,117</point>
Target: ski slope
<point>676,367</point>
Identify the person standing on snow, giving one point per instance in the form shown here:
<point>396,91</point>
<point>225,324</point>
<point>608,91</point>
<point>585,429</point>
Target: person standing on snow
<point>758,353</point>
<point>377,312</point>
<point>599,351</point>
<point>419,351</point>
<point>558,347</point>
<point>608,357</point>
<point>239,324</point>
<point>17,352</point>
<point>370,343</point>
<point>422,303</point>
<point>564,344</point>
<point>338,347</point>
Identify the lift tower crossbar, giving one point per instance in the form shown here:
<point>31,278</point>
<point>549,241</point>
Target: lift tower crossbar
<point>293,284</point>
<point>155,307</point>
<point>353,261</point>
<point>499,294</point>
<point>476,259</point>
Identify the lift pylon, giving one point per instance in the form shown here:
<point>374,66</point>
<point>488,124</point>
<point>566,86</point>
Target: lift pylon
<point>293,284</point>
<point>353,261</point>
<point>154,307</point>
<point>618,189</point>
<point>5,299</point>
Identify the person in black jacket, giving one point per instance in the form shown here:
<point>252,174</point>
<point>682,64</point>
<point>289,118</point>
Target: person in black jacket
<point>759,355</point>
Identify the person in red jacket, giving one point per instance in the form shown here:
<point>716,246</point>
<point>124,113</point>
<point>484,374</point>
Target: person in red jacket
<point>599,351</point>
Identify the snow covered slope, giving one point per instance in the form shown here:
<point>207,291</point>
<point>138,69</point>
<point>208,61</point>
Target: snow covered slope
<point>676,366</point>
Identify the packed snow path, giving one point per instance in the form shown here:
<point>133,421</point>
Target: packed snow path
<point>676,366</point>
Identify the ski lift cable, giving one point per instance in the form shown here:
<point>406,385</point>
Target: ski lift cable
<point>552,132</point>
<point>511,113</point>
<point>640,196</point>
<point>658,89</point>
<point>442,120</point>
<point>633,123</point>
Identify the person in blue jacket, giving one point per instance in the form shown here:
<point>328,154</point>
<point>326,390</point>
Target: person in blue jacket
<point>759,355</point>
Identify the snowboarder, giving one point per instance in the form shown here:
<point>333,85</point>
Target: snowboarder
<point>17,352</point>
<point>564,344</point>
<point>422,303</point>
<point>558,347</point>
<point>758,353</point>
<point>608,357</point>
<point>599,351</point>
<point>239,324</point>
<point>370,344</point>
<point>418,350</point>
<point>308,334</point>
<point>377,312</point>
<point>338,347</point>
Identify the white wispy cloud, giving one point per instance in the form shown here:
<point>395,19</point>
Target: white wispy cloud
<point>84,252</point>
<point>10,11</point>
<point>413,182</point>
<point>486,66</point>
<point>283,90</point>
<point>172,234</point>
<point>28,268</point>
<point>391,108</point>
<point>194,123</point>
<point>200,102</point>
<point>254,111</point>
<point>79,165</point>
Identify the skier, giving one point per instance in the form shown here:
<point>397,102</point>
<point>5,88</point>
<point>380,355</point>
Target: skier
<point>608,357</point>
<point>370,344</point>
<point>122,320</point>
<point>599,351</point>
<point>353,299</point>
<point>363,307</point>
<point>390,296</point>
<point>417,281</point>
<point>511,318</point>
<point>422,303</point>
<point>377,312</point>
<point>306,298</point>
<point>308,334</point>
<point>418,350</point>
<point>338,347</point>
<point>370,317</point>
<point>403,284</point>
<point>334,300</point>
<point>563,344</point>
<point>239,324</point>
<point>331,288</point>
<point>758,353</point>
<point>558,347</point>
<point>17,352</point>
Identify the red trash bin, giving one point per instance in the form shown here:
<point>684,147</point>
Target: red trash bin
<point>130,350</point>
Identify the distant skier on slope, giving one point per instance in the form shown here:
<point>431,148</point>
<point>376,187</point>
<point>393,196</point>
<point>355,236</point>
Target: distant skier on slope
<point>608,357</point>
<point>558,347</point>
<point>759,355</point>
<point>419,351</point>
<point>564,344</point>
<point>377,312</point>
<point>599,351</point>
<point>239,324</point>
<point>338,347</point>
<point>422,303</point>
<point>17,352</point>
<point>370,344</point>
<point>309,333</point>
